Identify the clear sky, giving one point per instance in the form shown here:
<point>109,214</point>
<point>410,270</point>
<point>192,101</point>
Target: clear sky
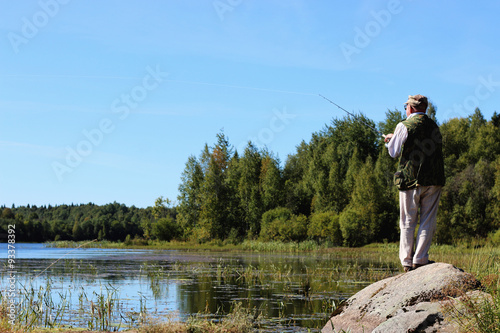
<point>104,101</point>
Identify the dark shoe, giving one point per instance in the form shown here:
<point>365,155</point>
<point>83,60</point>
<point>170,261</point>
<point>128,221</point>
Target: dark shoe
<point>407,268</point>
<point>415,266</point>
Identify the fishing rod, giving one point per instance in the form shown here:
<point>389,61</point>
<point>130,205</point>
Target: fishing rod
<point>94,240</point>
<point>356,117</point>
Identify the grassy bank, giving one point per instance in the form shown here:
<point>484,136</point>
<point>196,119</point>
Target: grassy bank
<point>216,245</point>
<point>239,320</point>
<point>478,258</point>
<point>481,260</point>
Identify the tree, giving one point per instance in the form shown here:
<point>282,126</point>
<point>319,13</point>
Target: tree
<point>476,121</point>
<point>190,191</point>
<point>464,204</point>
<point>495,119</point>
<point>362,220</point>
<point>493,210</point>
<point>117,231</point>
<point>455,133</point>
<point>146,227</point>
<point>389,196</point>
<point>325,226</point>
<point>485,144</point>
<point>431,112</point>
<point>348,134</point>
<point>271,183</point>
<point>213,215</point>
<point>77,232</point>
<point>248,189</point>
<point>294,230</point>
<point>272,222</point>
<point>166,229</point>
<point>317,174</point>
<point>354,166</point>
<point>60,228</point>
<point>297,196</point>
<point>338,199</point>
<point>7,213</point>
<point>235,214</point>
<point>392,118</point>
<point>162,208</point>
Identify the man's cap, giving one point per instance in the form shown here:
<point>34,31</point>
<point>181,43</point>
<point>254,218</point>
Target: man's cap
<point>419,102</point>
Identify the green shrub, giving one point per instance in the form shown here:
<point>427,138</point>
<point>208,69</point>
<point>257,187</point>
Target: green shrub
<point>166,229</point>
<point>325,227</point>
<point>128,240</point>
<point>356,227</point>
<point>294,229</point>
<point>281,225</point>
<point>271,222</point>
<point>200,235</point>
<point>233,237</point>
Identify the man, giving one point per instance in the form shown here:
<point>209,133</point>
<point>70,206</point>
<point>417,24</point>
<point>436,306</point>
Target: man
<point>419,178</point>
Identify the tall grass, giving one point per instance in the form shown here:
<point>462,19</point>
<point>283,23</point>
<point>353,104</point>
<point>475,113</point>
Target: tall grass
<point>475,313</point>
<point>41,307</point>
<point>37,306</point>
<point>238,320</point>
<point>472,312</point>
<point>277,246</point>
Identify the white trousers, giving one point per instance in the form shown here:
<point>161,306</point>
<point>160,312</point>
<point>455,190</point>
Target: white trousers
<point>427,199</point>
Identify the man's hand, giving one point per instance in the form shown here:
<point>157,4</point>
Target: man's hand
<point>388,137</point>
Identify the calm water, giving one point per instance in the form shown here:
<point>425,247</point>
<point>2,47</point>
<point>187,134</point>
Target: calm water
<point>292,292</point>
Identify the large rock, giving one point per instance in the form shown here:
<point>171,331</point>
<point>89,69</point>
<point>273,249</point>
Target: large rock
<point>407,302</point>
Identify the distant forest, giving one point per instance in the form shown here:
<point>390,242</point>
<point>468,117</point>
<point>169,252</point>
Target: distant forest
<point>336,188</point>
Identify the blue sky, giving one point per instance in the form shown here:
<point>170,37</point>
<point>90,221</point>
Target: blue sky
<point>104,101</point>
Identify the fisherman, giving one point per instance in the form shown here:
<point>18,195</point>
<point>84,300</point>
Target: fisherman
<point>419,178</point>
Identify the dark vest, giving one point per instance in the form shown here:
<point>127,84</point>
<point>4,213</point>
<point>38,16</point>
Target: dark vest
<point>421,162</point>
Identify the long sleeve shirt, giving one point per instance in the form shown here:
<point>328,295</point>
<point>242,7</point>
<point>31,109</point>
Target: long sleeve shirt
<point>399,138</point>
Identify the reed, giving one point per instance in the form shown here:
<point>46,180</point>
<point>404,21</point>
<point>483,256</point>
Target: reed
<point>238,320</point>
<point>156,275</point>
<point>37,307</point>
<point>475,313</point>
<point>478,314</point>
<point>277,246</point>
<point>41,307</point>
<point>46,307</point>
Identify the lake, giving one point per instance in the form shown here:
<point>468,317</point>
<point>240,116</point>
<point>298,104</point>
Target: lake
<point>117,289</point>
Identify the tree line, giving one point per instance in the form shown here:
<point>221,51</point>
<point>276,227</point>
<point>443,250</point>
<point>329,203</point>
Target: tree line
<point>336,188</point>
<point>75,222</point>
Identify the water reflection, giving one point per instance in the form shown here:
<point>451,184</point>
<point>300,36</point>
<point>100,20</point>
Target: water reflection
<point>291,292</point>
